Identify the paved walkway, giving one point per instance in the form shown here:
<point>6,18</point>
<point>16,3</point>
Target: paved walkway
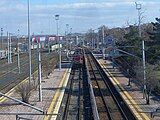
<point>49,87</point>
<point>134,91</point>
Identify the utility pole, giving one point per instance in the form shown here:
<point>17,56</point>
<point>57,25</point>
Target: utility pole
<point>93,39</point>
<point>18,54</point>
<point>57,18</point>
<point>138,7</point>
<point>103,54</point>
<point>29,46</point>
<point>39,70</point>
<point>2,38</point>
<point>97,40</point>
<point>67,31</point>
<point>10,48</point>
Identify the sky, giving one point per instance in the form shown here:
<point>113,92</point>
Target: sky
<point>81,15</point>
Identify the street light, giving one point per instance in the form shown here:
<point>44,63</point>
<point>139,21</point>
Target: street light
<point>67,31</point>
<point>138,7</point>
<point>18,53</point>
<point>103,50</point>
<point>39,70</point>
<point>57,18</point>
<point>29,47</point>
<point>10,48</point>
<point>1,38</point>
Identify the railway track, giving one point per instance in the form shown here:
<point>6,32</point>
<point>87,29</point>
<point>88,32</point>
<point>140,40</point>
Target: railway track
<point>76,103</point>
<point>73,99</point>
<point>110,105</point>
<point>11,77</point>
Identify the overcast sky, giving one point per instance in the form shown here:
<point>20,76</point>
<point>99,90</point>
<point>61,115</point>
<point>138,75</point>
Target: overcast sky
<point>81,15</point>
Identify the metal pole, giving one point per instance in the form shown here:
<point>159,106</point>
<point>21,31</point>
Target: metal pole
<point>19,69</point>
<point>98,41</point>
<point>103,42</point>
<point>57,18</point>
<point>8,46</point>
<point>67,31</point>
<point>92,40</point>
<point>39,72</point>
<point>138,7</point>
<point>10,49</point>
<point>29,46</point>
<point>2,38</point>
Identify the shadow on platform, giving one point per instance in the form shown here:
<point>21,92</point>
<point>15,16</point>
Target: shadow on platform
<point>64,64</point>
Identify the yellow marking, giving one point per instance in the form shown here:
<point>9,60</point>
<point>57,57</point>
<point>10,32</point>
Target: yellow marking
<point>53,106</point>
<point>132,104</point>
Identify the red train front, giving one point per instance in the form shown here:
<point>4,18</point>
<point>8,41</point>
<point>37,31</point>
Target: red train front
<point>78,58</point>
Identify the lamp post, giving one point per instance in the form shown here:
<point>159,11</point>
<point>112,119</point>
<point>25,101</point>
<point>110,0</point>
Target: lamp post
<point>18,53</point>
<point>92,39</point>
<point>57,18</point>
<point>67,31</point>
<point>1,38</point>
<point>10,48</point>
<point>29,45</point>
<point>103,43</point>
<point>39,70</point>
<point>138,7</point>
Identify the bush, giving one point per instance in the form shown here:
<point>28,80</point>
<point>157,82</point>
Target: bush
<point>24,90</point>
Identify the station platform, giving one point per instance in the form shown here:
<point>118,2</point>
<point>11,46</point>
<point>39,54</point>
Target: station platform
<point>52,93</point>
<point>132,94</point>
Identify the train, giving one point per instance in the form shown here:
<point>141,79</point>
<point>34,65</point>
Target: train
<point>78,58</point>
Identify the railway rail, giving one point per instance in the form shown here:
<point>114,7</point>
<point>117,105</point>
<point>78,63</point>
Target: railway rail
<point>76,103</point>
<point>11,77</point>
<point>72,109</point>
<point>110,105</point>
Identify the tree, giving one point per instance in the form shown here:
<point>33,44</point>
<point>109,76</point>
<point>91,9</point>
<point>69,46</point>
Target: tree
<point>25,91</point>
<point>151,79</point>
<point>154,44</point>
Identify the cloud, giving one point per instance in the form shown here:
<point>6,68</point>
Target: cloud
<point>98,12</point>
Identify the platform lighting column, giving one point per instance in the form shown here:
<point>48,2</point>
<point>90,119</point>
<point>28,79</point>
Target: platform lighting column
<point>29,44</point>
<point>138,7</point>
<point>19,69</point>
<point>2,38</point>
<point>71,39</point>
<point>39,70</point>
<point>103,53</point>
<point>92,39</point>
<point>67,40</point>
<point>10,48</point>
<point>57,18</point>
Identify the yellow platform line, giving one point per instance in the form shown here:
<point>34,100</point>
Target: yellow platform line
<point>129,100</point>
<point>57,98</point>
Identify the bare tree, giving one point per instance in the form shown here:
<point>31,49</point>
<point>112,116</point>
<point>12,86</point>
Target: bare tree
<point>25,90</point>
<point>151,79</point>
